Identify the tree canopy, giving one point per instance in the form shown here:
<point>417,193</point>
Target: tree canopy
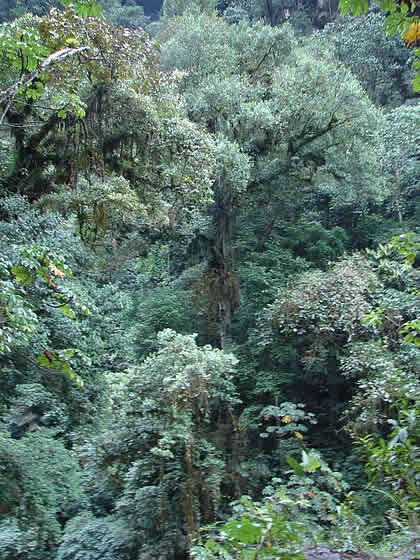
<point>209,285</point>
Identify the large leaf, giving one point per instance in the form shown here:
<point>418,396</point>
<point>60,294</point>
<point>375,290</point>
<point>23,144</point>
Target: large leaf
<point>356,7</point>
<point>295,466</point>
<point>310,462</point>
<point>22,274</point>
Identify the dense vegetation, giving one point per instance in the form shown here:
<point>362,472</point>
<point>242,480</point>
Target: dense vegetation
<point>209,311</point>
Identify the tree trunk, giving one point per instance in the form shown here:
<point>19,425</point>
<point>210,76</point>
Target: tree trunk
<point>223,267</point>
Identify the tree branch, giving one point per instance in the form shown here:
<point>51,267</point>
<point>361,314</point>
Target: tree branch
<point>7,95</point>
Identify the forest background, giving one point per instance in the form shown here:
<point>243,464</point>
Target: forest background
<point>209,312</point>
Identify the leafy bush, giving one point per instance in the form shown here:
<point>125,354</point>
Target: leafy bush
<point>89,538</point>
<point>39,482</point>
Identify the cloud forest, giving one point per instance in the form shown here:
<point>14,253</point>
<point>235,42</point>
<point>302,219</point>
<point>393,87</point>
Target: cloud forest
<point>209,280</point>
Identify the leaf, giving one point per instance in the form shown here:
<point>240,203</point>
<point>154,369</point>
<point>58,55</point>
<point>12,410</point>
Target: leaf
<point>403,7</point>
<point>32,93</point>
<point>389,6</point>
<point>43,361</point>
<point>88,8</point>
<point>310,462</point>
<point>72,42</point>
<point>356,7</point>
<point>68,311</point>
<point>295,466</point>
<point>21,274</point>
<point>393,442</point>
<point>403,435</point>
<point>416,83</point>
<point>413,504</point>
<point>245,531</point>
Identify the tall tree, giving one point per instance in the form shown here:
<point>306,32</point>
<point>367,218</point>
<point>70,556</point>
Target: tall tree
<point>169,456</point>
<point>87,110</point>
<point>293,115</point>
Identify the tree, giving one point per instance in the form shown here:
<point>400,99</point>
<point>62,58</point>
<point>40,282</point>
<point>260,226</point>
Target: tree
<point>17,8</point>
<point>255,529</point>
<point>169,467</point>
<point>85,139</point>
<point>384,73</point>
<point>314,13</point>
<point>320,316</point>
<point>395,459</point>
<point>232,176</point>
<point>402,18</point>
<point>291,115</point>
<point>212,191</point>
<point>173,8</point>
<point>46,43</point>
<point>401,133</point>
<point>128,14</point>
<point>39,481</point>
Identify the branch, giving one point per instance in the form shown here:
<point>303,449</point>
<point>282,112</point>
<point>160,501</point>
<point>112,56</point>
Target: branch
<point>332,124</point>
<point>263,59</point>
<point>8,94</point>
<point>60,304</point>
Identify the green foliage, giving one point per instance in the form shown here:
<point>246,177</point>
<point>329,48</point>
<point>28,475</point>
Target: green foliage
<point>129,14</point>
<point>400,135</point>
<point>90,538</point>
<point>314,243</point>
<point>401,252</point>
<point>310,496</point>
<point>17,318</point>
<point>22,47</point>
<point>256,529</point>
<point>165,470</point>
<point>173,8</point>
<point>56,354</point>
<point>396,458</point>
<point>356,6</point>
<point>387,374</point>
<point>314,142</point>
<point>398,19</point>
<point>282,127</point>
<point>381,376</point>
<point>394,263</point>
<point>211,191</point>
<point>186,383</point>
<point>39,480</point>
<point>263,273</point>
<point>33,406</point>
<point>158,309</point>
<point>85,8</point>
<point>384,72</point>
<point>324,307</point>
<point>288,419</point>
<point>321,488</point>
<point>18,8</point>
<point>411,331</point>
<point>36,263</point>
<point>27,46</point>
<point>99,206</point>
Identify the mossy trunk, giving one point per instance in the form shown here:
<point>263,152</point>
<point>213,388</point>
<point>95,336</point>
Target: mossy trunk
<point>226,291</point>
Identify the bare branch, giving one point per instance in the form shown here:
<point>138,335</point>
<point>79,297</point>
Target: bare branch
<point>7,95</point>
